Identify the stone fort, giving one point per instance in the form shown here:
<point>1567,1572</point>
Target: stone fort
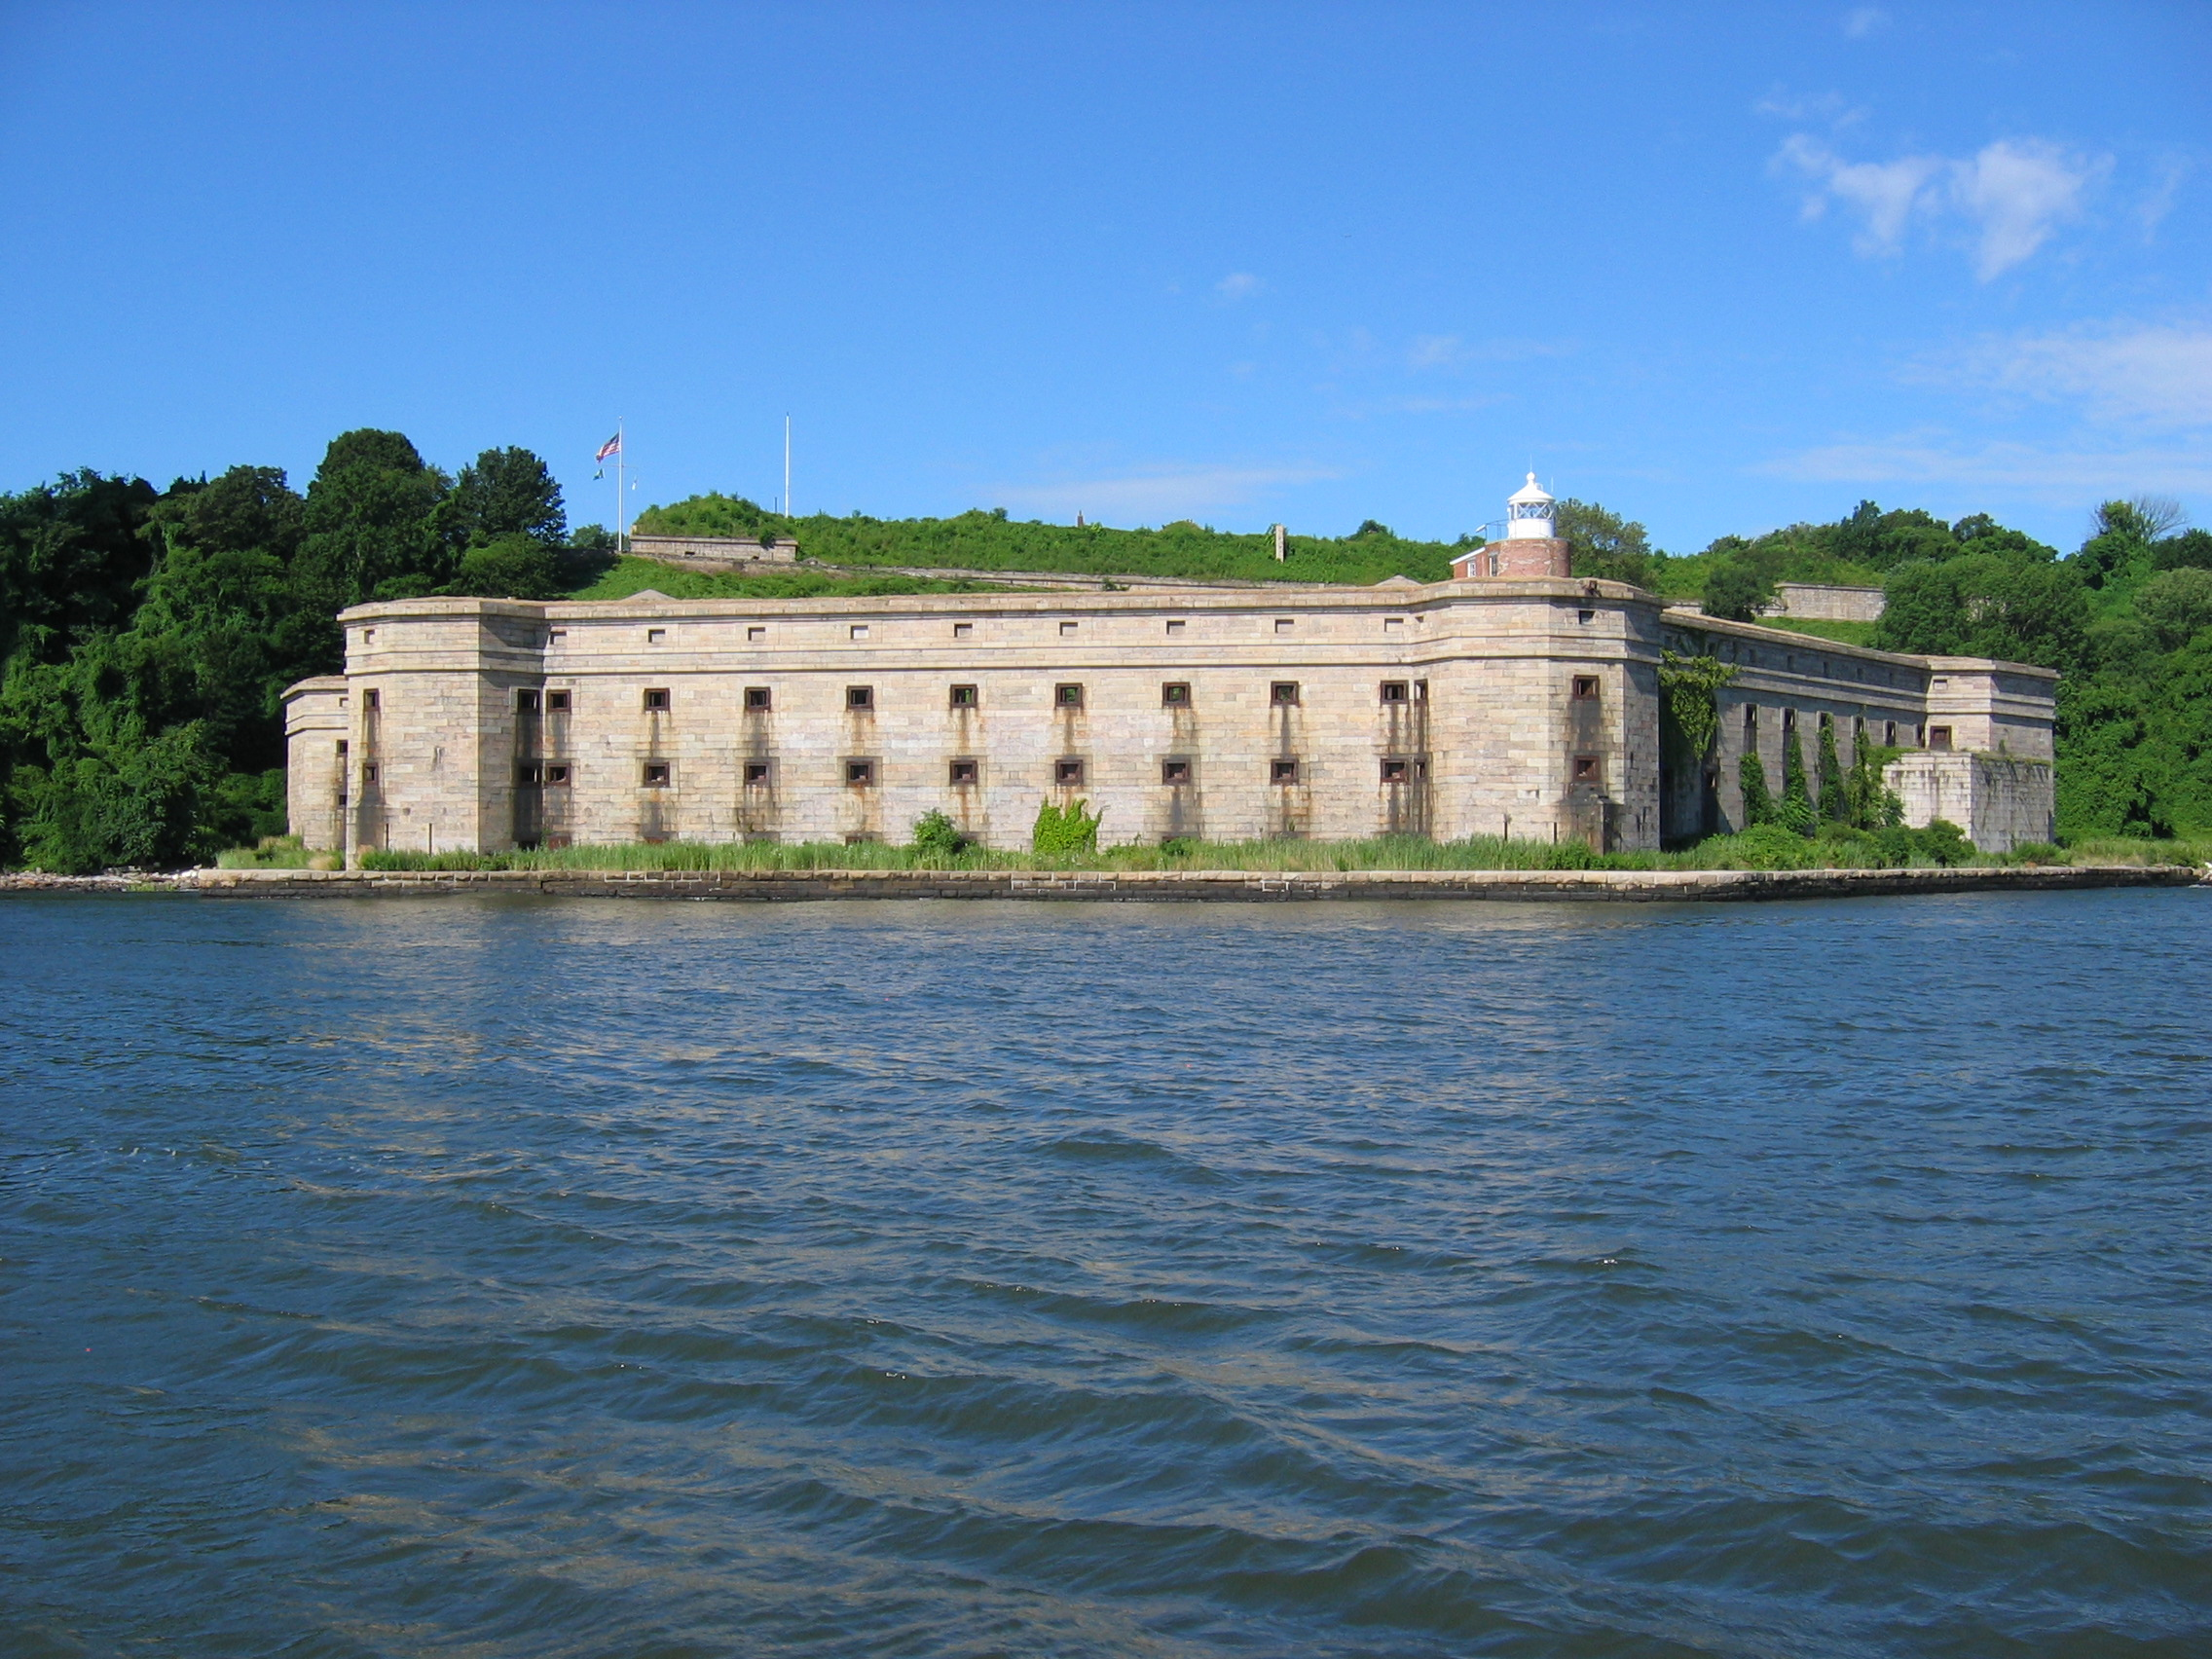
<point>1512,699</point>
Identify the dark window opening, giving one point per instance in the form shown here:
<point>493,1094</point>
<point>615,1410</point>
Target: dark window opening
<point>755,633</point>
<point>656,774</point>
<point>556,774</point>
<point>1175,771</point>
<point>1176,694</point>
<point>369,773</point>
<point>964,630</point>
<point>371,701</point>
<point>655,635</point>
<point>529,775</point>
<point>1068,696</point>
<point>1585,768</point>
<point>1067,772</point>
<point>964,772</point>
<point>1788,721</point>
<point>859,774</point>
<point>965,696</point>
<point>1397,692</point>
<point>1586,616</point>
<point>1283,771</point>
<point>341,746</point>
<point>1890,733</point>
<point>1420,690</point>
<point>1067,628</point>
<point>860,696</point>
<point>1284,624</point>
<point>1585,687</point>
<point>656,702</point>
<point>1283,694</point>
<point>755,772</point>
<point>759,698</point>
<point>526,702</point>
<point>1396,772</point>
<point>1938,737</point>
<point>556,702</point>
<point>1175,626</point>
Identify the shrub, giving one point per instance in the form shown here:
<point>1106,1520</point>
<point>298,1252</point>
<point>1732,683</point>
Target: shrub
<point>1750,778</point>
<point>1766,846</point>
<point>935,835</point>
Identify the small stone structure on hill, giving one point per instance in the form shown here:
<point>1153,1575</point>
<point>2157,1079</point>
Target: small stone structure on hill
<point>716,553</point>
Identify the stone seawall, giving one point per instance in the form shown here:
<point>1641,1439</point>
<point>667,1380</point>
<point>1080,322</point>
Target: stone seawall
<point>1128,886</point>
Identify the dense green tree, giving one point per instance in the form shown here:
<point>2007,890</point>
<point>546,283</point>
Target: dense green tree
<point>372,523</point>
<point>504,493</point>
<point>1603,544</point>
<point>1735,591</point>
<point>512,567</point>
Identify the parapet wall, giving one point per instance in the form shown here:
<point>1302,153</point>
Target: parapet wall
<point>713,552</point>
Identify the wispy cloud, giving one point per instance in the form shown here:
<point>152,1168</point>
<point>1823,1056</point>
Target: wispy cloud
<point>2061,471</point>
<point>2154,376</point>
<point>1862,21</point>
<point>1152,495</point>
<point>1833,108</point>
<point>1452,351</point>
<point>1238,285</point>
<point>2012,195</point>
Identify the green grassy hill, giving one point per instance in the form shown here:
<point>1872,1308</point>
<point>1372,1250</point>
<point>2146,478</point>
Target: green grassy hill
<point>992,541</point>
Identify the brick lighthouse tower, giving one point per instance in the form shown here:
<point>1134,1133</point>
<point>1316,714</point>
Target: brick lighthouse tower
<point>1531,546</point>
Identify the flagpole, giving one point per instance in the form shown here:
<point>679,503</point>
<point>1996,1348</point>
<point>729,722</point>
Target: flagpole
<point>786,467</point>
<point>620,528</point>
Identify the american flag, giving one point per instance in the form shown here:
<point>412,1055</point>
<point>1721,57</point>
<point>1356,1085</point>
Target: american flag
<point>612,446</point>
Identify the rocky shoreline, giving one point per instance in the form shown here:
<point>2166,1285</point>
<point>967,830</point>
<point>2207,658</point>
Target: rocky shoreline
<point>1128,886</point>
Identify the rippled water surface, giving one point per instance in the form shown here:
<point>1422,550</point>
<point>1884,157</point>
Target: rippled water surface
<point>513,1277</point>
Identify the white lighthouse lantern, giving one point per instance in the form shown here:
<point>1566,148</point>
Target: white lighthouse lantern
<point>1528,513</point>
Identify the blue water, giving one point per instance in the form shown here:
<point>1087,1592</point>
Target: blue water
<point>496,1277</point>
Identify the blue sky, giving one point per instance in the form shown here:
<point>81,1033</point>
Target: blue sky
<point>1718,269</point>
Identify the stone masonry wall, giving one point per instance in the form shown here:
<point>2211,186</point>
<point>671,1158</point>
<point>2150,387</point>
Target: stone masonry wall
<point>1494,707</point>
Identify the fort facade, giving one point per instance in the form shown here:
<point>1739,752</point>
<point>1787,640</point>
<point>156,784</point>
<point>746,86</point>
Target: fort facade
<point>1517,705</point>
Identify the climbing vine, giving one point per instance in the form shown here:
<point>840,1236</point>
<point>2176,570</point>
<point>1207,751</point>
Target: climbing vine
<point>1689,704</point>
<point>1061,830</point>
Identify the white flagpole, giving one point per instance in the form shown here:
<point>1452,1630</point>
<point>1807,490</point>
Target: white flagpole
<point>786,467</point>
<point>621,529</point>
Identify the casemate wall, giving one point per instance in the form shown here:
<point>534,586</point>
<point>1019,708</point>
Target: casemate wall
<point>1502,706</point>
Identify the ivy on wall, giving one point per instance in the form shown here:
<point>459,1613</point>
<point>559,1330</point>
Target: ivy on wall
<point>1689,705</point>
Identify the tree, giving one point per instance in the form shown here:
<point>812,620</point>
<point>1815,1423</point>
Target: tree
<point>505,492</point>
<point>371,520</point>
<point>514,567</point>
<point>1603,544</point>
<point>1734,592</point>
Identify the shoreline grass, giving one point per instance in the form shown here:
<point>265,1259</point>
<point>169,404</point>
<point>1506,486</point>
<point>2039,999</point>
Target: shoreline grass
<point>1765,849</point>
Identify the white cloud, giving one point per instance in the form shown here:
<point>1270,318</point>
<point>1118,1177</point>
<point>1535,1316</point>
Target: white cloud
<point>2012,194</point>
<point>1861,22</point>
<point>2068,471</point>
<point>1884,193</point>
<point>2158,376</point>
<point>1238,285</point>
<point>2019,191</point>
<point>1153,495</point>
